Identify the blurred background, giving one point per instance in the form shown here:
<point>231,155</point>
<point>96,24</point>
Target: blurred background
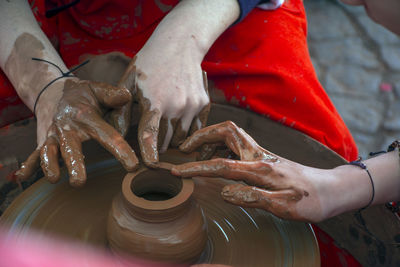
<point>358,64</point>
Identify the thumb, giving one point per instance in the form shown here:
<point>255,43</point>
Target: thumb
<point>110,96</point>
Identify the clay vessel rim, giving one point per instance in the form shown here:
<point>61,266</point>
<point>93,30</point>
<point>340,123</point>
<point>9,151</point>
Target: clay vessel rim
<point>180,198</point>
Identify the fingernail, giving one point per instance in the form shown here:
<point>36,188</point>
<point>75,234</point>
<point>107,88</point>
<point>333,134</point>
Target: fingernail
<point>52,177</point>
<point>184,147</point>
<point>132,165</point>
<point>175,171</point>
<point>227,193</point>
<point>77,182</point>
<point>151,164</point>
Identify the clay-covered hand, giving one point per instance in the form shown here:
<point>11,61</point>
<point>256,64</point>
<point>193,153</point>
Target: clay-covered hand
<point>285,188</point>
<point>170,88</point>
<point>167,76</point>
<point>79,117</point>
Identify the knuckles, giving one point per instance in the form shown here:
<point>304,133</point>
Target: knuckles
<point>230,125</point>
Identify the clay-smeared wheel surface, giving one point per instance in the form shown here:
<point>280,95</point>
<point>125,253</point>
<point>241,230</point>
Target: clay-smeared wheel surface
<point>237,236</point>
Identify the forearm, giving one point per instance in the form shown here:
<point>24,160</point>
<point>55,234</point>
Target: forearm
<point>21,39</point>
<point>353,189</point>
<point>196,24</point>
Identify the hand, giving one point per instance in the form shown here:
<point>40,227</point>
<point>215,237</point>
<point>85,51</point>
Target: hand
<point>166,74</point>
<point>285,188</point>
<point>78,118</point>
<point>170,88</point>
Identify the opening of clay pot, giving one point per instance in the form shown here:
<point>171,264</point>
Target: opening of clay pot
<point>156,194</point>
<point>156,218</point>
<point>156,185</point>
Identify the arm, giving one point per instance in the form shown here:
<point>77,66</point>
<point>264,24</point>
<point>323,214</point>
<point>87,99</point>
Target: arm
<point>69,112</point>
<point>167,76</point>
<point>21,39</point>
<point>288,189</point>
<point>353,190</point>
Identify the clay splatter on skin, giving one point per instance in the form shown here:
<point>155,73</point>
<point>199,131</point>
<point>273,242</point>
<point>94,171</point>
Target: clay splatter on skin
<point>179,135</point>
<point>49,153</point>
<point>80,117</point>
<point>20,61</point>
<point>156,130</point>
<point>28,167</point>
<point>148,130</point>
<point>29,77</point>
<point>268,187</point>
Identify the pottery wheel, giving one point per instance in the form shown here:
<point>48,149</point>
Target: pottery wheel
<point>236,236</point>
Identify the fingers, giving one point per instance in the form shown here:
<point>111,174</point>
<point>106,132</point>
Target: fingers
<point>71,151</point>
<point>201,120</point>
<point>207,151</point>
<point>110,96</point>
<point>222,132</point>
<point>111,140</point>
<point>179,135</point>
<point>194,120</point>
<point>28,167</point>
<point>233,136</point>
<point>128,79</point>
<point>118,98</point>
<point>189,123</point>
<point>120,118</point>
<point>148,136</point>
<point>254,197</point>
<point>49,160</point>
<point>166,132</point>
<point>226,168</point>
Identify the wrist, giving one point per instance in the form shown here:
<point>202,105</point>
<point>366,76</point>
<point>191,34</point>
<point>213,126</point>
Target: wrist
<point>350,189</point>
<point>197,23</point>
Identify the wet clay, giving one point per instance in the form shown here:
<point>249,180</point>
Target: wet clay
<point>236,236</point>
<point>156,218</point>
<point>148,131</point>
<point>29,77</point>
<point>24,73</point>
<point>32,209</point>
<point>156,131</point>
<point>269,185</point>
<point>79,117</point>
<point>28,167</point>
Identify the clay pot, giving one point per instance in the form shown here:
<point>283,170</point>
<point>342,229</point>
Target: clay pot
<point>156,218</point>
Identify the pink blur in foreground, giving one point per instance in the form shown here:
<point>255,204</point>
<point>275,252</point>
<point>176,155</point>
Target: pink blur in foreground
<point>35,250</point>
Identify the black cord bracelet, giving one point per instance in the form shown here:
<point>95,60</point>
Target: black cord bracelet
<point>364,167</point>
<point>63,75</point>
<point>392,206</point>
